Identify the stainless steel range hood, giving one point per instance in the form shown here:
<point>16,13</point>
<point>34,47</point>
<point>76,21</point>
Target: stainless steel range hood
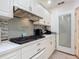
<point>20,13</point>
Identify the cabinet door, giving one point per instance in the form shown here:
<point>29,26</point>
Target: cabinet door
<point>37,8</point>
<point>24,4</point>
<point>6,8</point>
<point>52,43</point>
<point>5,5</point>
<point>49,47</point>
<point>47,18</point>
<point>46,44</point>
<point>13,55</point>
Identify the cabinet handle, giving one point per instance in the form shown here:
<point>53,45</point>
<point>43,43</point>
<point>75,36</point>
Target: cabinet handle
<point>38,44</point>
<point>38,53</point>
<point>38,50</point>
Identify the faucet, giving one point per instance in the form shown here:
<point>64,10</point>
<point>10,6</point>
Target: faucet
<point>22,35</point>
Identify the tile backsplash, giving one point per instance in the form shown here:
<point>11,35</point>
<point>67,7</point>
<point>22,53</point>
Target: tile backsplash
<point>4,29</point>
<point>19,26</point>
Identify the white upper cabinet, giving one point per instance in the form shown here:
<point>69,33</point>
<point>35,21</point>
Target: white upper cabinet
<point>29,5</point>
<point>36,8</point>
<point>32,6</point>
<point>6,8</point>
<point>23,4</point>
<point>47,18</point>
<point>41,11</point>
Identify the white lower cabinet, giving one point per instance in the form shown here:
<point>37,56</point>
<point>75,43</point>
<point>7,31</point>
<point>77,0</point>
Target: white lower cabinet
<point>29,51</point>
<point>50,46</point>
<point>46,54</point>
<point>44,44</point>
<point>53,43</point>
<point>39,55</point>
<point>39,50</point>
<point>34,51</point>
<point>12,55</point>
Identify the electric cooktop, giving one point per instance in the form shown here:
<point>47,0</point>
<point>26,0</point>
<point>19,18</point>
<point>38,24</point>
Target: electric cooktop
<point>22,40</point>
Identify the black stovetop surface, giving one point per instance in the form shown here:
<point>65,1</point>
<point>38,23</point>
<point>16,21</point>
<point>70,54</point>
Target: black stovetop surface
<point>22,40</point>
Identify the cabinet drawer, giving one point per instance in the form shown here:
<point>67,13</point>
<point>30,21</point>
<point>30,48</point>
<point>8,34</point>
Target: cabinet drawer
<point>43,43</point>
<point>12,55</point>
<point>39,55</point>
<point>29,51</point>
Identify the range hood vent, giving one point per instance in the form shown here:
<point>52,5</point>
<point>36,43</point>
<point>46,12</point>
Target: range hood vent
<point>20,13</point>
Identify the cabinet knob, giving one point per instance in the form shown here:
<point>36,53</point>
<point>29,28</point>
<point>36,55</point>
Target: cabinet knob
<point>51,42</point>
<point>38,50</point>
<point>38,44</point>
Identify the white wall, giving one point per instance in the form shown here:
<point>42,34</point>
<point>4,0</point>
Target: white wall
<point>67,8</point>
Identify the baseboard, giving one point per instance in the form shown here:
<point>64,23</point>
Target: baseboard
<point>66,53</point>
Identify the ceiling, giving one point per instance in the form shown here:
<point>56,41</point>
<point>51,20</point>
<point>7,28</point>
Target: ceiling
<point>49,4</point>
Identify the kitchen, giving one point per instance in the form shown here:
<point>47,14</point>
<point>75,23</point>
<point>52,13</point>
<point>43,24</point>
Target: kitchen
<point>39,29</point>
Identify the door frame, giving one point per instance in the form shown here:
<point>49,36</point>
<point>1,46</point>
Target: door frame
<point>64,49</point>
<point>76,33</point>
